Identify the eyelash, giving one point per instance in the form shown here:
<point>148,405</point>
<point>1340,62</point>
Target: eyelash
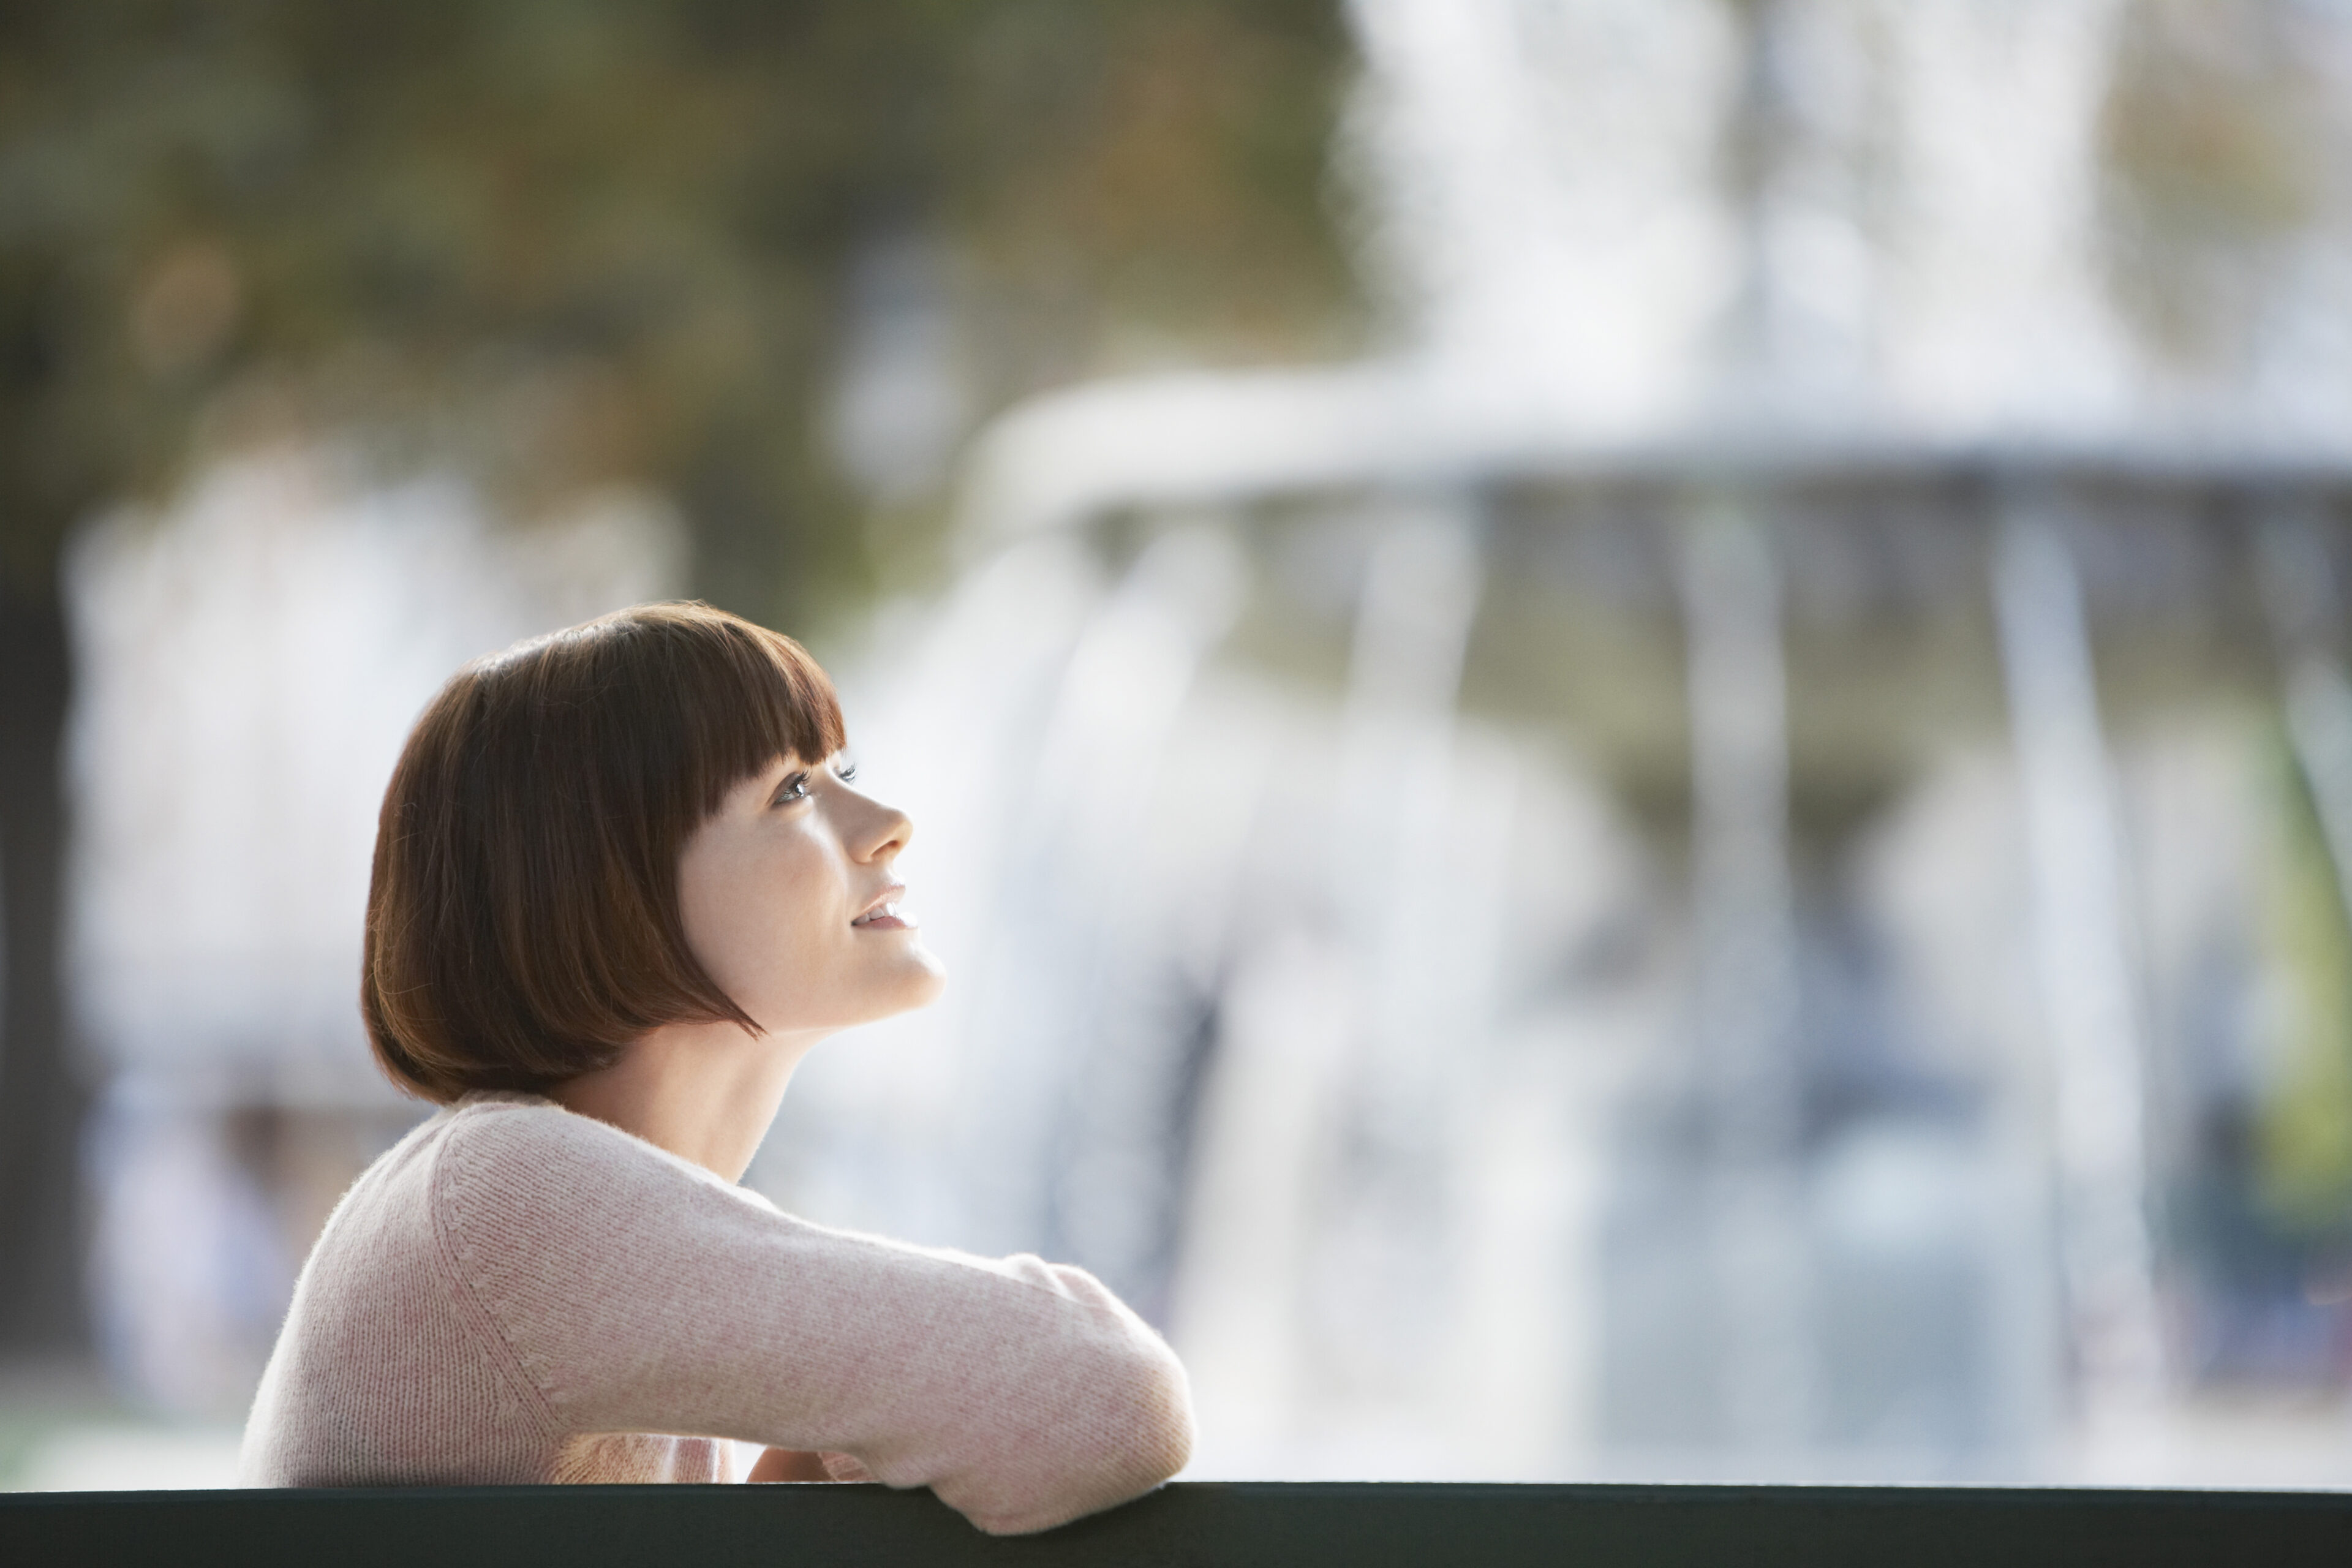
<point>796,786</point>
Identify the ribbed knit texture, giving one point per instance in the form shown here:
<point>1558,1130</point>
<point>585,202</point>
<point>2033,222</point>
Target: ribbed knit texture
<point>515,1293</point>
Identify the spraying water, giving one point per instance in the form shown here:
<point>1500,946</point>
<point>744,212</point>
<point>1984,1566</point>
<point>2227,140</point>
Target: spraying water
<point>1278,1033</point>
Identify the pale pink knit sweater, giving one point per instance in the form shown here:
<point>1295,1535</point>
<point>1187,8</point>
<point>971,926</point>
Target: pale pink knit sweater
<point>515,1293</point>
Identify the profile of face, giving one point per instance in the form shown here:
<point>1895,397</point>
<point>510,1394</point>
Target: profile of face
<point>792,905</point>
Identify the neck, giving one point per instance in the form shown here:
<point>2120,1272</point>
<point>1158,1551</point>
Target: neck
<point>706,1092</point>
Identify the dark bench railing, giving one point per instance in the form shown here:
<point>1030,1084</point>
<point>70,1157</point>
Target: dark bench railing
<point>1211,1524</point>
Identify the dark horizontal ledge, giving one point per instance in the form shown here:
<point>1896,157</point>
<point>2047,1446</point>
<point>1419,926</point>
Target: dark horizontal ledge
<point>1213,1524</point>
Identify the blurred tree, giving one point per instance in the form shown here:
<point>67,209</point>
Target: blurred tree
<point>2216,142</point>
<point>564,243</point>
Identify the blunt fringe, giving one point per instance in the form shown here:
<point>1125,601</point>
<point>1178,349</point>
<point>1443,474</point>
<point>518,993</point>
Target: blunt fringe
<point>522,918</point>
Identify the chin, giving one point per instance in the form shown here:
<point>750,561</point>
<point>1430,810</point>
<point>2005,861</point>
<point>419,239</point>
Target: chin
<point>925,987</point>
<point>917,984</point>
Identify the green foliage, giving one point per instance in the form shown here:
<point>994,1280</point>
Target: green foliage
<point>608,240</point>
<point>2305,1127</point>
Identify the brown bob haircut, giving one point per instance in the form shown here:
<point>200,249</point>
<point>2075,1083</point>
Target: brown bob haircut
<point>522,918</point>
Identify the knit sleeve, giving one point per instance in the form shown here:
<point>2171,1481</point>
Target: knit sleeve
<point>639,1294</point>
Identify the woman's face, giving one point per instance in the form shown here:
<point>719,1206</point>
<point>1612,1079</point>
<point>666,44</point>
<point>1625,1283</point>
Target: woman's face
<point>791,906</point>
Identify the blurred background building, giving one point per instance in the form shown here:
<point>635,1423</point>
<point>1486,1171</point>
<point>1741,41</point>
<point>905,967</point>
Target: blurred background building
<point>1628,716</point>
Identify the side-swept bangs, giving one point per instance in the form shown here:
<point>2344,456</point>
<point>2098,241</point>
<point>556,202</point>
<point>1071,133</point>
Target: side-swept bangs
<point>522,919</point>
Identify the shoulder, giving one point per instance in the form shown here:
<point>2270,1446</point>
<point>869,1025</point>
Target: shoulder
<point>520,1161</point>
<point>487,1131</point>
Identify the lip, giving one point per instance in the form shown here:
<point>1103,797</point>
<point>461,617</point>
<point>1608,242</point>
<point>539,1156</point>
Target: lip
<point>881,914</point>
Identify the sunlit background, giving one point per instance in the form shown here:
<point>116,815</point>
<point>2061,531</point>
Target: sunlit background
<point>1628,718</point>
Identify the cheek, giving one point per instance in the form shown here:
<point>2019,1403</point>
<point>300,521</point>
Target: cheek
<point>755,915</point>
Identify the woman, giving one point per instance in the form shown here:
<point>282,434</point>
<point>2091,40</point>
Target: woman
<point>622,886</point>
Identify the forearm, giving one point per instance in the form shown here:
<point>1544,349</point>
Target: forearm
<point>790,1465</point>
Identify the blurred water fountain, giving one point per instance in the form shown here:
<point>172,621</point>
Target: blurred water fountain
<point>1107,1081</point>
<point>2087,953</point>
<point>1325,987</point>
<point>1744,986</point>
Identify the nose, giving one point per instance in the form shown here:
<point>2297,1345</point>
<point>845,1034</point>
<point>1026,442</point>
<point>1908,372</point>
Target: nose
<point>880,831</point>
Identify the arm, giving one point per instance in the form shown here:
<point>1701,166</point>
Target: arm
<point>642,1295</point>
<point>789,1465</point>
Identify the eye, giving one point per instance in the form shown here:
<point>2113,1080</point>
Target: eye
<point>845,768</point>
<point>795,787</point>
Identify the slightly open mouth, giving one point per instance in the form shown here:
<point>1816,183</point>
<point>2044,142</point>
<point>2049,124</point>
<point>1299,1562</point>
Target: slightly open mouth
<point>885,917</point>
